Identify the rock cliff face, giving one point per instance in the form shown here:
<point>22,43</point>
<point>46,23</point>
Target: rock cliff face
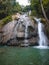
<point>21,33</point>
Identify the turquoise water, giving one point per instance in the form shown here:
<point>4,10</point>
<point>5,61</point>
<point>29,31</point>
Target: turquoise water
<point>23,56</point>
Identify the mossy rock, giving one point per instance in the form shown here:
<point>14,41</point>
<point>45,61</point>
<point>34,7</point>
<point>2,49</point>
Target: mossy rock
<point>43,21</point>
<point>6,20</point>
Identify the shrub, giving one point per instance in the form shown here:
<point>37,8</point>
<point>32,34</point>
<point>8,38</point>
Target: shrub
<point>34,13</point>
<point>6,20</point>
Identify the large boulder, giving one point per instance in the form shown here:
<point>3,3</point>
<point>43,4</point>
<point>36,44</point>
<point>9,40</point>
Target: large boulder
<point>14,33</point>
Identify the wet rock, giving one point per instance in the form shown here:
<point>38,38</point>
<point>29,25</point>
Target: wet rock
<point>21,31</point>
<point>24,45</point>
<point>12,42</point>
<point>33,41</point>
<point>15,32</point>
<point>20,34</point>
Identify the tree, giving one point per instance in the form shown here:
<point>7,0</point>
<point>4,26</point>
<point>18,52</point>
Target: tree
<point>26,8</point>
<point>40,7</point>
<point>8,7</point>
<point>5,8</point>
<point>35,8</point>
<point>43,11</point>
<point>46,7</point>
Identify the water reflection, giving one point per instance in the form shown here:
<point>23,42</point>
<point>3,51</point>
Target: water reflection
<point>44,56</point>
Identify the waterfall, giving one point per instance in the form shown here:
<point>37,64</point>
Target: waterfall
<point>43,41</point>
<point>42,37</point>
<point>26,30</point>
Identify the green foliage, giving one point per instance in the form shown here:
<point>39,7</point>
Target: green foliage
<point>8,7</point>
<point>33,13</point>
<point>6,20</point>
<point>16,8</point>
<point>5,8</point>
<point>26,9</point>
<point>36,7</point>
<point>46,7</point>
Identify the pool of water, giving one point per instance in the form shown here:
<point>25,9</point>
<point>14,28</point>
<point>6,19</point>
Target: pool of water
<point>23,56</point>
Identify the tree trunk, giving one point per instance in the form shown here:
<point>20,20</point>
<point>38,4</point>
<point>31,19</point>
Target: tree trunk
<point>43,11</point>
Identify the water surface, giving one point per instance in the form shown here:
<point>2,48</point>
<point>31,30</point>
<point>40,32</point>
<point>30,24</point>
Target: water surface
<point>23,56</point>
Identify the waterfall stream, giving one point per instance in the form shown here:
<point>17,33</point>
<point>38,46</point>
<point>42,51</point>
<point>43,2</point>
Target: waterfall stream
<point>43,41</point>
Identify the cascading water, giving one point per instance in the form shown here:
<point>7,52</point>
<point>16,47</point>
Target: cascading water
<point>27,23</point>
<point>43,41</point>
<point>26,31</point>
<point>42,37</point>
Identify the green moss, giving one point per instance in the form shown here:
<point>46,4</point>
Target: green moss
<point>5,20</point>
<point>43,21</point>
